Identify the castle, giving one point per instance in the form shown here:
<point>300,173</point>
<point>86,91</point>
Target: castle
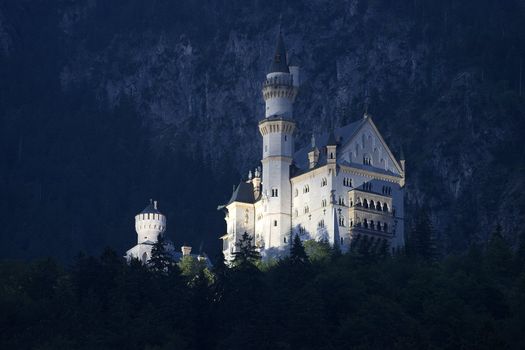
<point>345,185</point>
<point>150,223</point>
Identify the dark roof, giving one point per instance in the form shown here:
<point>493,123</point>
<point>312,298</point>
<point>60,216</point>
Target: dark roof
<point>331,139</point>
<point>343,134</point>
<point>150,209</point>
<point>279,63</point>
<point>243,193</point>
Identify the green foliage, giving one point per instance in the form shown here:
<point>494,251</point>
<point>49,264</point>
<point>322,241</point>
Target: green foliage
<point>318,252</point>
<point>470,301</point>
<point>246,254</point>
<point>191,266</point>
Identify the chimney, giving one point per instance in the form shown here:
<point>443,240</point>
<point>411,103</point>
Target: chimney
<point>186,250</point>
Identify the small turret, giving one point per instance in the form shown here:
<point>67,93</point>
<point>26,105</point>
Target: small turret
<point>256,181</point>
<point>313,155</point>
<point>331,148</point>
<point>281,85</point>
<point>150,223</point>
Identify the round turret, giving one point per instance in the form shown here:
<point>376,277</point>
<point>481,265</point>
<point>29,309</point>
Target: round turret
<point>281,84</point>
<point>150,223</point>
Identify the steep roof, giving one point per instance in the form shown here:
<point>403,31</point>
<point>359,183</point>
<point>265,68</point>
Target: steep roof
<point>279,63</point>
<point>243,193</point>
<point>150,209</point>
<point>331,139</point>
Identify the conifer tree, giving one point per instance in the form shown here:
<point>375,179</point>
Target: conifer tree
<point>246,253</point>
<point>220,268</point>
<point>422,238</point>
<point>499,255</point>
<point>297,252</point>
<point>161,260</point>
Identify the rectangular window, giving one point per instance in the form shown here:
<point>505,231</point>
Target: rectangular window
<point>274,222</point>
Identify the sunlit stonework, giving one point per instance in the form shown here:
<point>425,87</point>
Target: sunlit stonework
<point>344,185</point>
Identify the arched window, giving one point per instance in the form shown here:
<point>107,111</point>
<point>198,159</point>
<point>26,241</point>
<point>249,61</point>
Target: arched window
<point>372,224</point>
<point>372,204</point>
<point>385,227</point>
<point>144,258</point>
<point>365,203</point>
<point>341,221</point>
<point>342,241</point>
<point>365,223</point>
<point>323,182</point>
<point>385,207</point>
<point>306,209</point>
<point>296,213</point>
<point>275,192</point>
<point>296,192</point>
<point>323,203</point>
<point>320,224</point>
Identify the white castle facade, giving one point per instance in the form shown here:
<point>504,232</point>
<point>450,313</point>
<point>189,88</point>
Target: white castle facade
<point>150,224</point>
<point>344,185</point>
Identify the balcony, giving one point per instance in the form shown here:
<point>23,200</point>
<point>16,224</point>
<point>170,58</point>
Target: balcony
<point>360,207</point>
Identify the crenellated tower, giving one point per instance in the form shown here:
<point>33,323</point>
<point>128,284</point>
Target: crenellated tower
<point>277,129</point>
<point>150,223</point>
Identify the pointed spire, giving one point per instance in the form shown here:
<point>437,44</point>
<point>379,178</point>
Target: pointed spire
<point>279,64</point>
<point>313,141</point>
<point>331,139</point>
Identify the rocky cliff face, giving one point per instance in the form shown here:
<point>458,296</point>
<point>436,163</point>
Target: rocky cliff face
<point>158,88</point>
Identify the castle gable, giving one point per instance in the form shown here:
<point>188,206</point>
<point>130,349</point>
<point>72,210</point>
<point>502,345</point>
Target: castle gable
<point>360,145</point>
<point>343,135</point>
<point>368,150</point>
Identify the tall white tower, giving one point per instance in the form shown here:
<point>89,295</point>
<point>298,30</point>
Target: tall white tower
<point>277,129</point>
<point>150,223</point>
